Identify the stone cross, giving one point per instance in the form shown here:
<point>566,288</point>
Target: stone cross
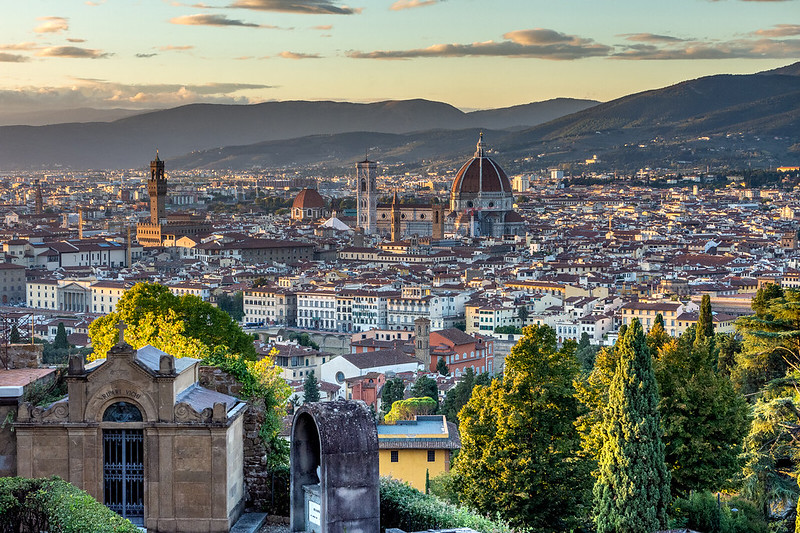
<point>121,327</point>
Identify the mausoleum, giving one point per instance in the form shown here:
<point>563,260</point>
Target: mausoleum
<point>139,434</point>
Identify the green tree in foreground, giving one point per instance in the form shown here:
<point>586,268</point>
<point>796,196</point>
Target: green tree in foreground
<point>632,490</point>
<point>153,315</point>
<point>310,388</point>
<point>519,456</point>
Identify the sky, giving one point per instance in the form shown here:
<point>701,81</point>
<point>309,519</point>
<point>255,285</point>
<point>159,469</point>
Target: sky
<point>473,54</point>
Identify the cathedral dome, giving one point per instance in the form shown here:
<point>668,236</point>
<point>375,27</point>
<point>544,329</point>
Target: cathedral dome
<point>481,175</point>
<point>308,199</point>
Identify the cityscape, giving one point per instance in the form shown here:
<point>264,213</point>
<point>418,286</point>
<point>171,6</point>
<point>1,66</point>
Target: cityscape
<point>570,302</point>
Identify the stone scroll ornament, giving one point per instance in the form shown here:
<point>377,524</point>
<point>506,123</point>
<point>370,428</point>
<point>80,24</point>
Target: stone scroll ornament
<point>186,413</point>
<point>57,412</point>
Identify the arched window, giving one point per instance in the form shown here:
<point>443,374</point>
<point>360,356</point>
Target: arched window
<point>363,185</point>
<point>122,412</point>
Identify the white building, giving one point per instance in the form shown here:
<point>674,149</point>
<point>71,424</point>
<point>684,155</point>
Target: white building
<point>316,309</point>
<point>106,295</point>
<point>351,365</point>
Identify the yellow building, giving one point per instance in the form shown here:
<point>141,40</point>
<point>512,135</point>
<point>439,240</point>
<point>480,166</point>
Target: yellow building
<point>411,448</point>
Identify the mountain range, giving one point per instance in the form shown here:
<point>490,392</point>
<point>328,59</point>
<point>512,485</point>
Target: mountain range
<point>729,120</point>
<point>126,142</point>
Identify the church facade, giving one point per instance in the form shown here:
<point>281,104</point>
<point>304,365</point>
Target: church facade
<point>139,434</point>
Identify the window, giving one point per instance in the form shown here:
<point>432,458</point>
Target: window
<point>394,454</point>
<point>431,456</point>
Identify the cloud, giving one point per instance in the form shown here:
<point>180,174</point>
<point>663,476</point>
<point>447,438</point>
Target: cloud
<point>296,55</point>
<point>324,27</point>
<point>211,20</point>
<point>76,40</point>
<point>535,43</point>
<point>174,48</point>
<point>146,55</point>
<point>19,46</point>
<point>101,94</point>
<point>95,4</point>
<point>72,51</point>
<point>650,38</point>
<point>734,49</point>
<point>12,58</point>
<point>309,7</point>
<point>52,25</point>
<point>399,5</point>
<point>780,30</point>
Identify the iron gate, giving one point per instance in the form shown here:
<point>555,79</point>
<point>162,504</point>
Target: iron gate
<point>123,473</point>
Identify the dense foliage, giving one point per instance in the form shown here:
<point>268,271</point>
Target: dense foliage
<point>393,390</point>
<point>457,397</point>
<point>408,509</point>
<point>632,488</point>
<point>408,409</point>
<point>520,449</point>
<point>233,305</point>
<point>182,326</point>
<point>56,506</point>
<point>426,387</point>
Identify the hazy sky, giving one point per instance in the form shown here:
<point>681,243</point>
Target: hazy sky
<point>470,53</point>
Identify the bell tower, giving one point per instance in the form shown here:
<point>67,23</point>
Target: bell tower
<point>157,189</point>
<point>367,196</point>
<point>396,230</point>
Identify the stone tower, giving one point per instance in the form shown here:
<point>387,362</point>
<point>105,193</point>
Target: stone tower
<point>39,201</point>
<point>396,231</point>
<point>367,196</point>
<point>437,225</point>
<point>157,189</point>
<point>422,341</point>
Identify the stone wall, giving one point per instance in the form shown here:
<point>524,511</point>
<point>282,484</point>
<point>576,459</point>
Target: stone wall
<point>258,479</point>
<point>25,355</point>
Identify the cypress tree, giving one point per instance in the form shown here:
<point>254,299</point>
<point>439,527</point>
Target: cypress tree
<point>61,342</point>
<point>632,489</point>
<point>705,321</point>
<point>14,337</point>
<point>311,388</point>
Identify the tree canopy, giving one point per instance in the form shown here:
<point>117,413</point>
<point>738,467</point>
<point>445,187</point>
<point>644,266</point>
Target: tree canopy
<point>519,456</point>
<point>311,388</point>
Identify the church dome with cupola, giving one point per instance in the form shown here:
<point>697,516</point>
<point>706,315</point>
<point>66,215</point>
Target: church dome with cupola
<point>309,204</point>
<point>481,184</point>
<point>482,200</point>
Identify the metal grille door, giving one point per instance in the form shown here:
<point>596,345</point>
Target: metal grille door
<point>123,473</point>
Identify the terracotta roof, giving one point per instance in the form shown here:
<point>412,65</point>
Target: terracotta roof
<point>308,199</point>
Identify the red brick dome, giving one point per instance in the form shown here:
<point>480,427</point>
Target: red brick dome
<point>308,199</point>
<point>481,174</point>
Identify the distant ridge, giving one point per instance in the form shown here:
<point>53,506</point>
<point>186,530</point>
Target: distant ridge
<point>127,142</point>
<point>721,120</point>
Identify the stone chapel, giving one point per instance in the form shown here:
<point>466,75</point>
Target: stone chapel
<point>139,434</point>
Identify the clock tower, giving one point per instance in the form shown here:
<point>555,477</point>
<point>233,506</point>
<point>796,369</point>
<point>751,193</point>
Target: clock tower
<point>157,189</point>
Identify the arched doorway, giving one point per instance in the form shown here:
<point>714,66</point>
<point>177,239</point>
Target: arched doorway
<point>123,461</point>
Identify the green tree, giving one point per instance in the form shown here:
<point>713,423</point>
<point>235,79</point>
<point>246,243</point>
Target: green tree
<point>519,455</point>
<point>632,489</point>
<point>61,342</point>
<point>425,386</point>
<point>458,396</point>
<point>585,352</point>
<point>14,337</point>
<point>704,418</point>
<point>705,321</point>
<point>408,409</point>
<point>310,388</point>
<point>441,367</point>
<point>233,305</point>
<point>728,346</point>
<point>522,314</point>
<point>144,303</point>
<point>657,336</point>
<point>392,391</point>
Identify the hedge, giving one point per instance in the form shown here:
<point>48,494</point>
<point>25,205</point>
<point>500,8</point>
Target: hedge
<point>406,508</point>
<point>53,505</point>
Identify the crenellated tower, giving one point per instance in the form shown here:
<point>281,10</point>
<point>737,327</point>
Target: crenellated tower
<point>157,189</point>
<point>367,196</point>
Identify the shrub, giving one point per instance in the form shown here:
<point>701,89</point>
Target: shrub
<point>52,504</point>
<point>701,511</point>
<point>407,508</point>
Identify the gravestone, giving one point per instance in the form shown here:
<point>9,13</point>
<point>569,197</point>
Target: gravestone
<point>334,469</point>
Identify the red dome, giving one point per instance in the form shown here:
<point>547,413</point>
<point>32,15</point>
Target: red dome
<point>481,174</point>
<point>308,199</point>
